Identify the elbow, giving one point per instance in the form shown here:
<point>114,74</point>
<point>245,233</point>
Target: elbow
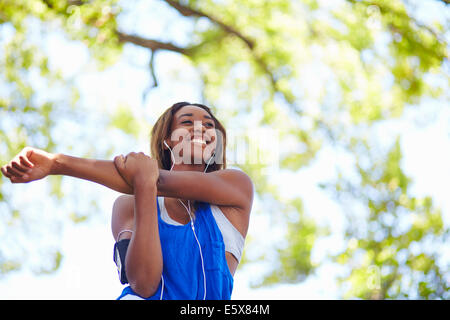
<point>145,282</point>
<point>144,289</point>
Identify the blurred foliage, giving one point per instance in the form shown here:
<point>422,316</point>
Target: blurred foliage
<point>125,121</point>
<point>311,70</point>
<point>293,261</point>
<point>394,250</point>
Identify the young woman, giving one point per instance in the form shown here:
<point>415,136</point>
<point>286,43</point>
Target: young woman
<point>181,223</point>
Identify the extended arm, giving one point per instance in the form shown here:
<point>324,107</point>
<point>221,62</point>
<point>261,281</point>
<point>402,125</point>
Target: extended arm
<point>224,187</point>
<point>100,171</point>
<point>33,164</point>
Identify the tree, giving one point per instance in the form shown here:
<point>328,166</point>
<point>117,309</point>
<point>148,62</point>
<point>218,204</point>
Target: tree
<point>395,250</point>
<point>375,59</point>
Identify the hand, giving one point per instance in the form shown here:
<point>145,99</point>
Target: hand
<point>29,165</point>
<point>137,168</point>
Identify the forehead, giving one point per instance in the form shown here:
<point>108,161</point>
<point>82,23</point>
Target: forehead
<point>194,110</point>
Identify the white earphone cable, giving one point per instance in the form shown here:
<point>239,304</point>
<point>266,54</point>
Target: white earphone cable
<point>199,246</point>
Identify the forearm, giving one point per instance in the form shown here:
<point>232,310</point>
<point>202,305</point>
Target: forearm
<point>144,258</point>
<point>180,184</point>
<point>223,187</point>
<point>100,171</point>
<point>188,185</point>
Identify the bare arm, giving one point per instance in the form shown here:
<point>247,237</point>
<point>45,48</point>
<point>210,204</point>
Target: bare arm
<point>100,171</point>
<point>144,262</point>
<point>225,187</point>
<point>33,164</point>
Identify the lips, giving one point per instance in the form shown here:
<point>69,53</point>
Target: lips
<point>199,141</point>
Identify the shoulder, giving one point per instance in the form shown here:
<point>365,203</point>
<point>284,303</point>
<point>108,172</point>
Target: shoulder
<point>241,183</point>
<point>238,178</point>
<point>123,201</point>
<point>239,216</point>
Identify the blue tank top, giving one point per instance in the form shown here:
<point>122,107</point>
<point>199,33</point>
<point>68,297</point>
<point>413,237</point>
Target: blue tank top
<point>182,266</point>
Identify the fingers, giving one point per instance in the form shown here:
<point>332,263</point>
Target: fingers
<point>19,167</point>
<point>14,175</point>
<point>25,161</point>
<point>4,172</point>
<point>14,171</point>
<point>119,161</point>
<point>21,179</point>
<point>16,168</point>
<point>20,164</point>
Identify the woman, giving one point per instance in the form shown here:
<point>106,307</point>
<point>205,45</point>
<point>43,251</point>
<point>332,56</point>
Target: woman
<point>180,226</point>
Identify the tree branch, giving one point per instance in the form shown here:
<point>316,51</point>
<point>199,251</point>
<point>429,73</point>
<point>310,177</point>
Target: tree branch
<point>151,67</point>
<point>153,45</point>
<point>189,12</point>
<point>186,11</point>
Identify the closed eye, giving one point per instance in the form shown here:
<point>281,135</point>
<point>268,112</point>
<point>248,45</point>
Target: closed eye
<point>209,124</point>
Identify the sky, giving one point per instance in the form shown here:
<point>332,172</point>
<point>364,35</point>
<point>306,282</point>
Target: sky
<point>88,271</point>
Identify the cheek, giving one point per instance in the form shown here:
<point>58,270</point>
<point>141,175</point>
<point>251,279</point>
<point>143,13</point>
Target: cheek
<point>180,137</point>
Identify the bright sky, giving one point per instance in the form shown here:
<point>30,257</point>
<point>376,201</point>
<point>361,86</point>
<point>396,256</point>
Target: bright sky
<point>87,270</point>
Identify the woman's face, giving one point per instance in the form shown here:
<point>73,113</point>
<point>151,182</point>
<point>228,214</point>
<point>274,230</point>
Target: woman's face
<point>193,135</point>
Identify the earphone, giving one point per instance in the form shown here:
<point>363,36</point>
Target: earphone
<point>171,155</point>
<point>192,224</point>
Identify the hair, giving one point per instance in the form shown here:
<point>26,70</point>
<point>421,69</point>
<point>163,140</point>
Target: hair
<point>162,130</point>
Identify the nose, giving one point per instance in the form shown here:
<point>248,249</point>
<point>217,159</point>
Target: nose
<point>199,129</point>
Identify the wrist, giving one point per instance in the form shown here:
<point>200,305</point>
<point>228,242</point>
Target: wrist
<point>57,164</point>
<point>144,182</point>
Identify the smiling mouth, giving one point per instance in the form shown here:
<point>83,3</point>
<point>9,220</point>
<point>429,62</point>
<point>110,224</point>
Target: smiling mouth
<point>199,141</point>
